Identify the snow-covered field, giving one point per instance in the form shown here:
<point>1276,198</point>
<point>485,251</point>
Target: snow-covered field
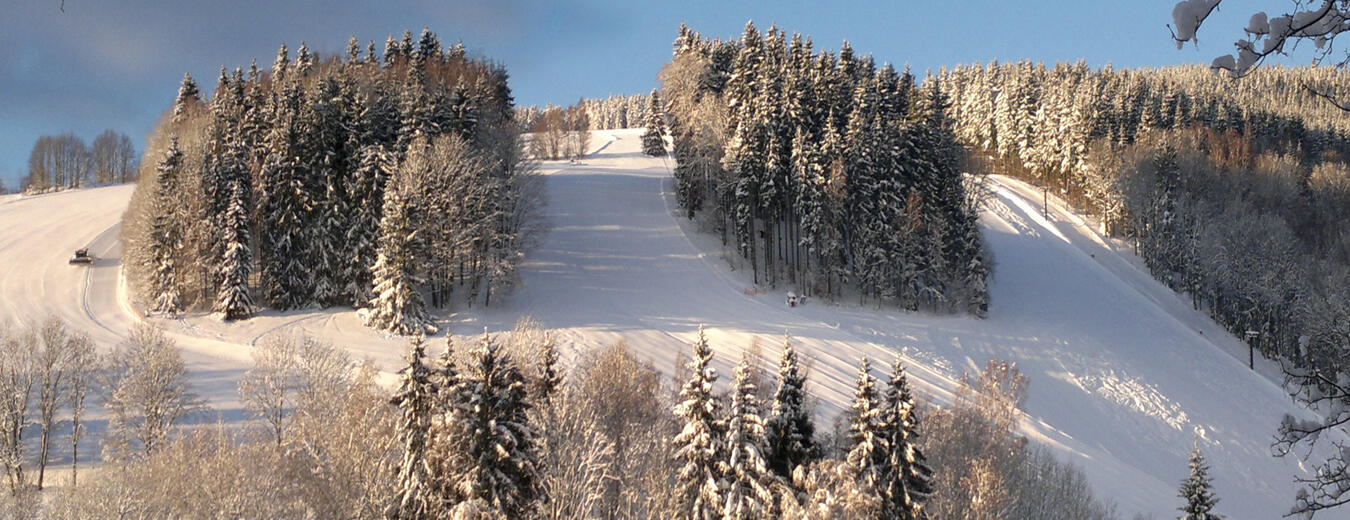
<point>1124,375</point>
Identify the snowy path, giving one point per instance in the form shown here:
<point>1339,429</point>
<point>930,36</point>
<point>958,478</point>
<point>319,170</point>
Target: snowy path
<point>1122,379</point>
<point>1123,373</point>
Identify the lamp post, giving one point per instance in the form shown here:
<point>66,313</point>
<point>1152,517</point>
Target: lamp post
<point>1251,336</point>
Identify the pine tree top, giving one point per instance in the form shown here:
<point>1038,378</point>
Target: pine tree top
<point>1200,500</point>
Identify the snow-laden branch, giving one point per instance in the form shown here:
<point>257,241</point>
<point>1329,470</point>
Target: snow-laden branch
<point>1267,35</point>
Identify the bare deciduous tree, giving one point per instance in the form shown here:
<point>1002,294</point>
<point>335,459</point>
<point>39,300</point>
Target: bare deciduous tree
<point>84,365</point>
<point>112,157</point>
<point>55,365</point>
<point>268,389</point>
<point>57,162</point>
<point>294,376</point>
<point>18,351</point>
<point>148,393</point>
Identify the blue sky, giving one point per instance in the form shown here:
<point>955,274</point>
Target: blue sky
<point>105,64</point>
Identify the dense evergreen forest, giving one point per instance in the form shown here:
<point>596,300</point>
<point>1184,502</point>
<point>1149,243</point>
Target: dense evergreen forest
<point>1235,196</point>
<point>825,172</point>
<point>359,180</point>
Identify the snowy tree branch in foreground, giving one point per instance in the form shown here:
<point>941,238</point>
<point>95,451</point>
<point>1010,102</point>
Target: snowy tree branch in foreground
<point>1329,397</point>
<point>1266,35</point>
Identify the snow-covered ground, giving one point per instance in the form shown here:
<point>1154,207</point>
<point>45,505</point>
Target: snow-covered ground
<point>1124,375</point>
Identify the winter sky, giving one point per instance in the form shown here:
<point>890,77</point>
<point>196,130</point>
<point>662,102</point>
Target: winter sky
<point>116,64</point>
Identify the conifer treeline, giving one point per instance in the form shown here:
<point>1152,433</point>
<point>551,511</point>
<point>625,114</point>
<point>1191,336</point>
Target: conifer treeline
<point>824,171</point>
<point>359,180</point>
<point>1236,196</point>
<point>614,112</point>
<point>472,444</point>
<point>1048,117</point>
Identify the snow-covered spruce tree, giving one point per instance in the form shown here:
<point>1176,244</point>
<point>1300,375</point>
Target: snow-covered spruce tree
<point>281,64</point>
<point>653,140</point>
<point>329,119</point>
<point>233,301</point>
<point>188,96</point>
<point>1195,490</point>
<point>416,399</point>
<point>700,446</point>
<point>447,378</point>
<point>549,380</point>
<point>789,432</point>
<point>490,441</point>
<point>304,60</point>
<point>397,305</point>
<point>749,483</point>
<point>371,139</point>
<point>286,206</point>
<point>362,238</point>
<point>977,268</point>
<point>909,479</point>
<point>867,457</point>
<point>166,233</point>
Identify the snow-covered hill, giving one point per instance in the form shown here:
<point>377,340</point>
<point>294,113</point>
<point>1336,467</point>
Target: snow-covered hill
<point>1124,375</point>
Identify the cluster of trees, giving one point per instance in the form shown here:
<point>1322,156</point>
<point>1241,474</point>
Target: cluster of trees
<point>65,161</point>
<point>504,430</point>
<point>591,443</point>
<point>45,369</point>
<point>1045,120</point>
<point>47,375</point>
<point>324,448</point>
<point>1234,196</point>
<point>559,132</point>
<point>611,113</point>
<point>618,111</point>
<point>351,180</point>
<point>825,171</point>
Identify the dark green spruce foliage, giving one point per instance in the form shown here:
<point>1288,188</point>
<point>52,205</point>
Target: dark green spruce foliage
<point>835,174</point>
<point>307,150</point>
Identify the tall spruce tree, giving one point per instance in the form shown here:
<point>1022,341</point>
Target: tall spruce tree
<point>224,165</point>
<point>329,164</point>
<point>749,483</point>
<point>415,497</point>
<point>188,95</point>
<point>353,49</point>
<point>234,301</point>
<point>166,234</point>
<point>280,65</point>
<point>286,208</point>
<point>492,438</point>
<point>867,457</point>
<point>362,238</point>
<point>977,269</point>
<point>1195,490</point>
<point>700,445</point>
<point>549,379</point>
<point>397,306</point>
<point>789,432</point>
<point>653,140</point>
<point>909,480</point>
<point>304,60</point>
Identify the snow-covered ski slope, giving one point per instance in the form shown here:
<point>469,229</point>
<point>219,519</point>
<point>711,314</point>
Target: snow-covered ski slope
<point>1124,375</point>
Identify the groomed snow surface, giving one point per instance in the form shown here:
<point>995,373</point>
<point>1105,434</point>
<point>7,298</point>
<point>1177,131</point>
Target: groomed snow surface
<point>1124,375</point>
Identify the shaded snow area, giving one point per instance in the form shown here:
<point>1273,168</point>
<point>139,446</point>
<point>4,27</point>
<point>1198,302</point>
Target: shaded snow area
<point>1124,375</point>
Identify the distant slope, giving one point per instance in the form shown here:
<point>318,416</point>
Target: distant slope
<point>1123,373</point>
